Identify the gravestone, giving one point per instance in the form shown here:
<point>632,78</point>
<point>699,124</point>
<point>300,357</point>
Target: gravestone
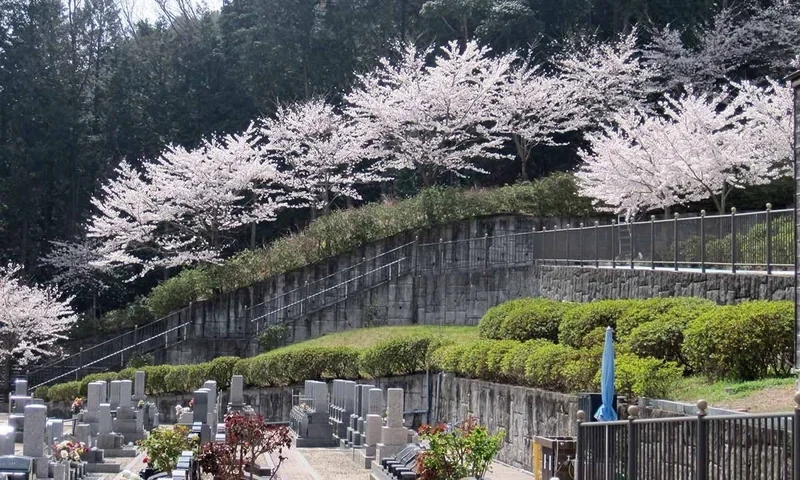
<point>368,454</point>
<point>83,433</point>
<point>362,411</point>
<point>352,425</point>
<point>138,386</point>
<point>33,438</point>
<point>7,437</point>
<point>93,400</point>
<point>126,422</point>
<point>394,436</point>
<point>54,431</point>
<point>200,415</point>
<point>113,394</point>
<point>18,401</point>
<point>310,419</point>
<point>345,403</point>
<point>236,399</point>
<point>213,412</point>
<point>106,438</point>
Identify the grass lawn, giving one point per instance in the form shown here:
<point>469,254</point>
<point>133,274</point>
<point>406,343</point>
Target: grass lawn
<point>367,337</point>
<point>766,395</point>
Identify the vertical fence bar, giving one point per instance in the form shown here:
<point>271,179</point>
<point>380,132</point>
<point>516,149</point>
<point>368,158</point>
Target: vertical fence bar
<point>769,239</point>
<point>630,235</point>
<point>733,240</point>
<point>675,241</point>
<point>703,241</point>
<point>580,237</point>
<point>485,251</point>
<point>633,443</point>
<point>441,255</point>
<point>701,465</point>
<point>78,372</point>
<point>613,257</point>
<point>555,245</point>
<point>567,233</point>
<point>795,440</point>
<point>581,439</point>
<point>596,243</point>
<point>652,242</point>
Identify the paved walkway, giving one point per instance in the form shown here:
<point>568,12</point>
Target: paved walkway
<point>337,464</point>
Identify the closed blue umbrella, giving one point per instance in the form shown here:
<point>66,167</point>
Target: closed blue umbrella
<point>606,412</point>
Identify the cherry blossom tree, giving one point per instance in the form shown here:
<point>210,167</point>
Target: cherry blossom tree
<point>77,268</point>
<point>321,153</point>
<point>703,146</point>
<point>607,77</point>
<point>437,118</point>
<point>32,318</point>
<point>184,206</point>
<point>536,108</point>
<point>626,168</point>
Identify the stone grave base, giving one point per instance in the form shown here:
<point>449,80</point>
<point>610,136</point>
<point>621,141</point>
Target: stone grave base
<point>320,442</point>
<point>112,468</point>
<point>364,457</point>
<point>125,452</point>
<point>377,473</point>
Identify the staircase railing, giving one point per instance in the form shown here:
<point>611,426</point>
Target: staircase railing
<point>332,289</point>
<point>110,353</point>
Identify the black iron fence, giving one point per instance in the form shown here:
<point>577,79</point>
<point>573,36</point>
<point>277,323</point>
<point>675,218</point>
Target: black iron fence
<point>700,447</point>
<point>752,241</point>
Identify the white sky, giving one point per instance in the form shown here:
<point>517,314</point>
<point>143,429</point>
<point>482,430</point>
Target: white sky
<point>148,9</point>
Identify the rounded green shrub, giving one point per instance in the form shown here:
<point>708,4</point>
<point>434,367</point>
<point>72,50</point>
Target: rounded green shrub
<point>473,361</point>
<point>104,376</point>
<point>495,356</point>
<point>583,318</point>
<point>491,323</point>
<point>636,377</point>
<point>42,391</point>
<point>221,370</point>
<point>658,339</point>
<point>746,341</point>
<point>580,370</point>
<point>399,356</point>
<point>63,392</point>
<point>640,312</point>
<point>448,357</point>
<point>535,318</point>
<point>155,379</point>
<point>544,367</point>
<point>516,359</point>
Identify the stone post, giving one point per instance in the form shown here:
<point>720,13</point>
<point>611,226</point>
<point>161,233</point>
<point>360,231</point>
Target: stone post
<point>138,386</point>
<point>113,394</point>
<point>33,438</point>
<point>393,436</point>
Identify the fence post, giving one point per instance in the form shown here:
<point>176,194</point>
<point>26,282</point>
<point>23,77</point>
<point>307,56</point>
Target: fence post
<point>795,440</point>
<point>630,232</point>
<point>579,474</point>
<point>769,239</point>
<point>441,254</point>
<point>567,242</point>
<point>675,240</point>
<point>733,239</point>
<point>652,242</point>
<point>485,251</point>
<point>613,257</point>
<point>702,442</point>
<point>581,244</point>
<point>555,245</point>
<point>304,299</point>
<point>80,365</point>
<point>633,442</point>
<point>596,243</point>
<point>703,241</point>
<point>414,255</point>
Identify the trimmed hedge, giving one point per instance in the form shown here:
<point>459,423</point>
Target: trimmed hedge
<point>535,318</point>
<point>644,377</point>
<point>746,341</point>
<point>491,323</point>
<point>584,318</point>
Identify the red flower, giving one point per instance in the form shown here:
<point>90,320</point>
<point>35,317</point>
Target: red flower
<point>146,459</point>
